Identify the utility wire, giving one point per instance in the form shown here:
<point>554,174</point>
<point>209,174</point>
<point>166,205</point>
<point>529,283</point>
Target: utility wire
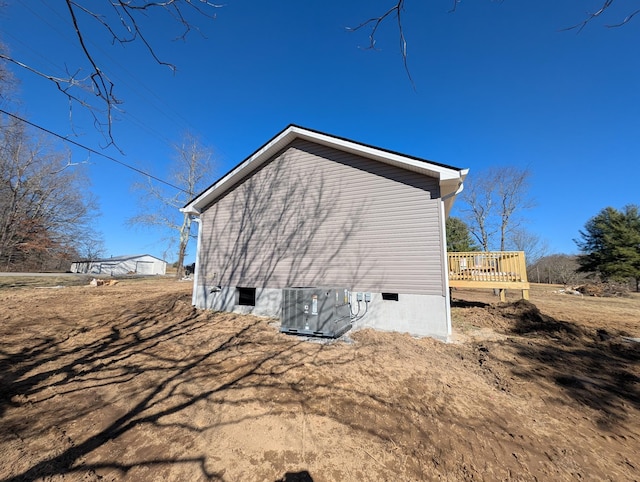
<point>147,95</point>
<point>93,151</point>
<point>53,19</point>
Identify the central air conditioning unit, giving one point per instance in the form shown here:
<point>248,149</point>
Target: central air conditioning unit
<point>315,311</point>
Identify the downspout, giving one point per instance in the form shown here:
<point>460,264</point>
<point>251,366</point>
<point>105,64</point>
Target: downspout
<point>196,269</point>
<point>445,258</point>
<point>194,213</point>
<point>457,191</point>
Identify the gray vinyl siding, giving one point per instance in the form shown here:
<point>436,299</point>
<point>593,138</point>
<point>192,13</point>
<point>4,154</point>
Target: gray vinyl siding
<point>317,216</point>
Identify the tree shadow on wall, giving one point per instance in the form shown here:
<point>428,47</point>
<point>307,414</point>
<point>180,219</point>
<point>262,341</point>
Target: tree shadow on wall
<point>282,227</point>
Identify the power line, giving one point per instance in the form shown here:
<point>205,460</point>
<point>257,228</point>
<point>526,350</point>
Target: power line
<point>52,19</point>
<point>146,95</point>
<point>93,151</point>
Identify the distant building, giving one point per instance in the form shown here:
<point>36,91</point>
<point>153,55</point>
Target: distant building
<point>140,264</point>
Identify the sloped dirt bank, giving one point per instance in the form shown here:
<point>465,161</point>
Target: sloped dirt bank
<point>129,382</point>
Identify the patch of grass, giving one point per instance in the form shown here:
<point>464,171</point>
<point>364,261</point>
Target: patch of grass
<point>69,279</point>
<point>12,282</point>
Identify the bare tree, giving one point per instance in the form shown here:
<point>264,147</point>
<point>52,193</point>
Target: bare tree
<point>44,206</point>
<point>478,197</point>
<point>492,201</point>
<point>511,191</point>
<point>90,247</point>
<point>556,269</point>
<point>534,247</point>
<point>191,172</point>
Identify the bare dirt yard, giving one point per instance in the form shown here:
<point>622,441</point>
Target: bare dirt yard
<point>130,382</point>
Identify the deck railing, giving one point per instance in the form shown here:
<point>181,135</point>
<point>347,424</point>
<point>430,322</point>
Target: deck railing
<point>495,269</point>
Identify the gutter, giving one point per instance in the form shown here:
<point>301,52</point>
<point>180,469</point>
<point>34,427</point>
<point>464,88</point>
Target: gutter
<point>455,193</point>
<point>460,188</point>
<point>191,210</point>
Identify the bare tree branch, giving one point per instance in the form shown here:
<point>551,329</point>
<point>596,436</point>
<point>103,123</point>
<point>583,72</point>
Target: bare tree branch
<point>455,6</point>
<point>99,91</point>
<point>99,98</point>
<point>592,16</point>
<point>102,85</point>
<point>376,22</point>
<point>66,166</point>
<point>64,85</point>
<point>396,10</point>
<point>626,20</point>
<point>45,208</point>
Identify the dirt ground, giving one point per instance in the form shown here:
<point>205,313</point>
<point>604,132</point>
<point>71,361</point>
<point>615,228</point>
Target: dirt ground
<point>129,382</point>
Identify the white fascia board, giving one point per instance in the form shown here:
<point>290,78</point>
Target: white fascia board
<point>241,170</point>
<point>424,167</point>
<point>443,174</point>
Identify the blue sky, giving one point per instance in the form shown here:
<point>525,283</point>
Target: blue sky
<point>496,84</point>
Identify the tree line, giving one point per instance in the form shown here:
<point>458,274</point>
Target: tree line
<point>47,213</point>
<point>609,248</point>
<point>46,208</point>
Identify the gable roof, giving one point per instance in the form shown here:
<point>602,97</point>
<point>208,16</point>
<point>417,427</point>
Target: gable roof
<point>450,178</point>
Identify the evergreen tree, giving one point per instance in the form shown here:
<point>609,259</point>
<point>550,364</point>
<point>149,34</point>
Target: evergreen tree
<point>611,244</point>
<point>458,236</point>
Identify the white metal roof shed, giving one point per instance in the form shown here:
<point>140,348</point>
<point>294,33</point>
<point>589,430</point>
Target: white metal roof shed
<point>138,264</point>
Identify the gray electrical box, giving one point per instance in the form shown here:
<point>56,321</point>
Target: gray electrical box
<point>316,311</point>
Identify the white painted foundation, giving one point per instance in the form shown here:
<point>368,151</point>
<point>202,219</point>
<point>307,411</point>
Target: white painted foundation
<point>418,315</point>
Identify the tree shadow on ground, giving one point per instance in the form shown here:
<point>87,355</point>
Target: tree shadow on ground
<point>596,368</point>
<point>303,476</point>
<point>134,347</point>
<point>145,366</point>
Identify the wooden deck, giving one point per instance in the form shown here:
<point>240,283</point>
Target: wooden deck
<point>496,269</point>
